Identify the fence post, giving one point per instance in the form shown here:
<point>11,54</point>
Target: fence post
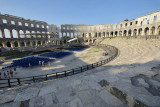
<point>18,81</point>
<point>81,69</point>
<point>87,67</point>
<point>56,75</point>
<point>73,71</point>
<point>46,77</point>
<point>9,84</point>
<point>92,65</point>
<point>33,79</point>
<point>65,74</point>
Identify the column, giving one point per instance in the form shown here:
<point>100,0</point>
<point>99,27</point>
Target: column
<point>62,34</point>
<point>19,44</point>
<point>18,34</point>
<point>3,35</point>
<point>25,44</point>
<point>11,35</point>
<point>12,44</point>
<point>97,34</point>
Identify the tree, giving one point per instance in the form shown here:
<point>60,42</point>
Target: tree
<point>126,20</point>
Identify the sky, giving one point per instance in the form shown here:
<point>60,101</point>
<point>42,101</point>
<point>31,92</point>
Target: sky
<point>89,12</point>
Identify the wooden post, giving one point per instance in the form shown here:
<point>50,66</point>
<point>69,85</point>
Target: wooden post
<point>9,84</point>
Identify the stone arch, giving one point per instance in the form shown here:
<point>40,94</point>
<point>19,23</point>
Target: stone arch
<point>111,33</point>
<point>116,33</point>
<point>28,43</point>
<point>159,30</point>
<point>130,32</point>
<point>43,42</point>
<point>135,32</point>
<point>140,31</point>
<point>22,43</point>
<point>15,44</point>
<point>39,43</point>
<point>28,34</point>
<point>14,33</point>
<point>120,33</point>
<point>7,33</point>
<point>21,34</point>
<point>34,43</point>
<point>8,44</point>
<point>153,30</point>
<point>34,36</point>
<point>125,33</point>
<point>146,31</point>
<point>99,34</point>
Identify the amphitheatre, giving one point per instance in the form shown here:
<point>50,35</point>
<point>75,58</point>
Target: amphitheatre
<point>110,65</point>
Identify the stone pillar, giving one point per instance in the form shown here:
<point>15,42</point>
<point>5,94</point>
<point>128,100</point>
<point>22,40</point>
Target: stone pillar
<point>156,32</point>
<point>36,42</point>
<point>70,34</point>
<point>19,44</point>
<point>24,34</point>
<point>97,34</point>
<point>18,34</point>
<point>62,34</point>
<point>12,44</point>
<point>3,35</point>
<point>25,44</point>
<point>4,44</point>
<point>31,43</point>
<point>11,35</point>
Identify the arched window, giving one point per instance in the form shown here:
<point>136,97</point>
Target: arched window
<point>4,21</point>
<point>15,34</point>
<point>155,18</point>
<point>13,22</point>
<point>20,23</point>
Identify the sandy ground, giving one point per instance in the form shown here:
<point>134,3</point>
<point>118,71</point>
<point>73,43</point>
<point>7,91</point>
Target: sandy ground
<point>136,59</point>
<point>77,59</point>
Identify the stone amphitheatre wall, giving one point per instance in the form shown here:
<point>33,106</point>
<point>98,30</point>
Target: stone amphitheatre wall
<point>18,32</point>
<point>145,25</point>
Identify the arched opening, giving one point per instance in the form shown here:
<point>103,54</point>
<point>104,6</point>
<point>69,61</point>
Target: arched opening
<point>21,34</point>
<point>22,44</point>
<point>104,34</point>
<point>99,34</point>
<point>28,43</point>
<point>146,31</point>
<point>111,34</point>
<point>135,32</point>
<point>39,36</point>
<point>39,43</point>
<point>64,42</point>
<point>120,33</point>
<point>14,33</point>
<point>7,33</point>
<point>96,34</point>
<point>140,31</point>
<point>90,35</point>
<point>116,33</point>
<point>28,34</point>
<point>153,30</point>
<point>108,34</point>
<point>43,42</point>
<point>34,36</point>
<point>8,44</point>
<point>130,32</point>
<point>16,44</point>
<point>34,43</point>
<point>159,30</point>
<point>125,33</point>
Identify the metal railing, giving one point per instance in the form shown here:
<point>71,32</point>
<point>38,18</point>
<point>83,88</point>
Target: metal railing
<point>8,83</point>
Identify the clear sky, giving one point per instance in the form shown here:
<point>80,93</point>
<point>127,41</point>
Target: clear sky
<point>88,12</point>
